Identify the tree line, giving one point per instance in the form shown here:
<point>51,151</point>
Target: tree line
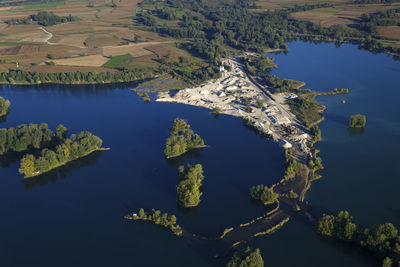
<point>189,185</point>
<point>177,71</point>
<point>75,147</point>
<point>33,136</point>
<point>181,139</point>
<point>382,239</point>
<point>4,106</point>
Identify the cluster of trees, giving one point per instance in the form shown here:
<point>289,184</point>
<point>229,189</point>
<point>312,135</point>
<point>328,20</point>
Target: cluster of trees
<point>259,65</point>
<point>26,137</point>
<point>145,96</point>
<point>369,22</point>
<point>357,121</point>
<point>306,109</point>
<point>181,139</point>
<point>292,165</point>
<point>264,194</point>
<point>49,18</point>
<point>189,185</point>
<point>249,258</point>
<point>165,220</point>
<point>4,106</point>
<point>383,239</point>
<point>75,147</point>
<point>22,21</point>
<point>43,18</point>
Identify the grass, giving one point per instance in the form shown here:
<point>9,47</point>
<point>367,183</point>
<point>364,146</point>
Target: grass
<point>116,60</point>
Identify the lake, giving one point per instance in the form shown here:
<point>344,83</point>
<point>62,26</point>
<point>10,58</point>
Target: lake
<point>360,172</point>
<point>74,216</point>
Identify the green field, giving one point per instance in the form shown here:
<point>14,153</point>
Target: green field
<point>116,60</point>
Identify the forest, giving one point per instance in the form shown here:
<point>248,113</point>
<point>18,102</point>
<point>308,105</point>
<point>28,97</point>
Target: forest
<point>27,137</point>
<point>383,239</point>
<point>181,139</point>
<point>4,107</point>
<point>189,185</point>
<point>234,25</point>
<point>75,147</point>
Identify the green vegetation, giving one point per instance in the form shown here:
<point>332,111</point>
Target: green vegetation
<point>144,95</point>
<point>4,107</point>
<point>264,194</point>
<point>370,22</point>
<point>116,60</point>
<point>306,109</point>
<point>181,139</point>
<point>216,110</point>
<point>75,147</point>
<point>188,188</point>
<point>43,18</point>
<point>292,165</point>
<point>165,220</point>
<point>249,258</point>
<point>382,239</point>
<point>34,136</point>
<point>357,121</point>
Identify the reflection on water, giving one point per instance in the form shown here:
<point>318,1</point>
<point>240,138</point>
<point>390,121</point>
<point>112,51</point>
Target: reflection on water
<point>355,131</point>
<point>179,161</point>
<point>61,172</point>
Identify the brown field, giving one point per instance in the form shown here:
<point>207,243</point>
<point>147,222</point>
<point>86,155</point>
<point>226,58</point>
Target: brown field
<point>136,50</point>
<point>279,4</point>
<point>82,45</point>
<point>77,40</point>
<point>87,61</point>
<point>392,32</point>
<point>54,69</point>
<point>341,14</point>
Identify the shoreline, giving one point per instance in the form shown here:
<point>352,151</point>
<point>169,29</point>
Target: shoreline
<point>65,163</point>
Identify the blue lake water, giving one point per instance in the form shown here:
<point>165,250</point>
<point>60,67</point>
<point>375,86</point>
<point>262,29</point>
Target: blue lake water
<point>74,216</point>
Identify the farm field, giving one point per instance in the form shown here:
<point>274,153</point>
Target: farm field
<point>102,31</point>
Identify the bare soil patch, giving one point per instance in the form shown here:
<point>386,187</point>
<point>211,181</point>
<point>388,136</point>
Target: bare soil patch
<point>89,61</point>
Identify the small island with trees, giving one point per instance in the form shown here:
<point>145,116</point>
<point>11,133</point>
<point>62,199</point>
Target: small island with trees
<point>181,139</point>
<point>382,240</point>
<point>4,106</point>
<point>77,146</point>
<point>263,194</point>
<point>188,188</point>
<point>357,121</point>
<point>249,257</point>
<point>165,220</point>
